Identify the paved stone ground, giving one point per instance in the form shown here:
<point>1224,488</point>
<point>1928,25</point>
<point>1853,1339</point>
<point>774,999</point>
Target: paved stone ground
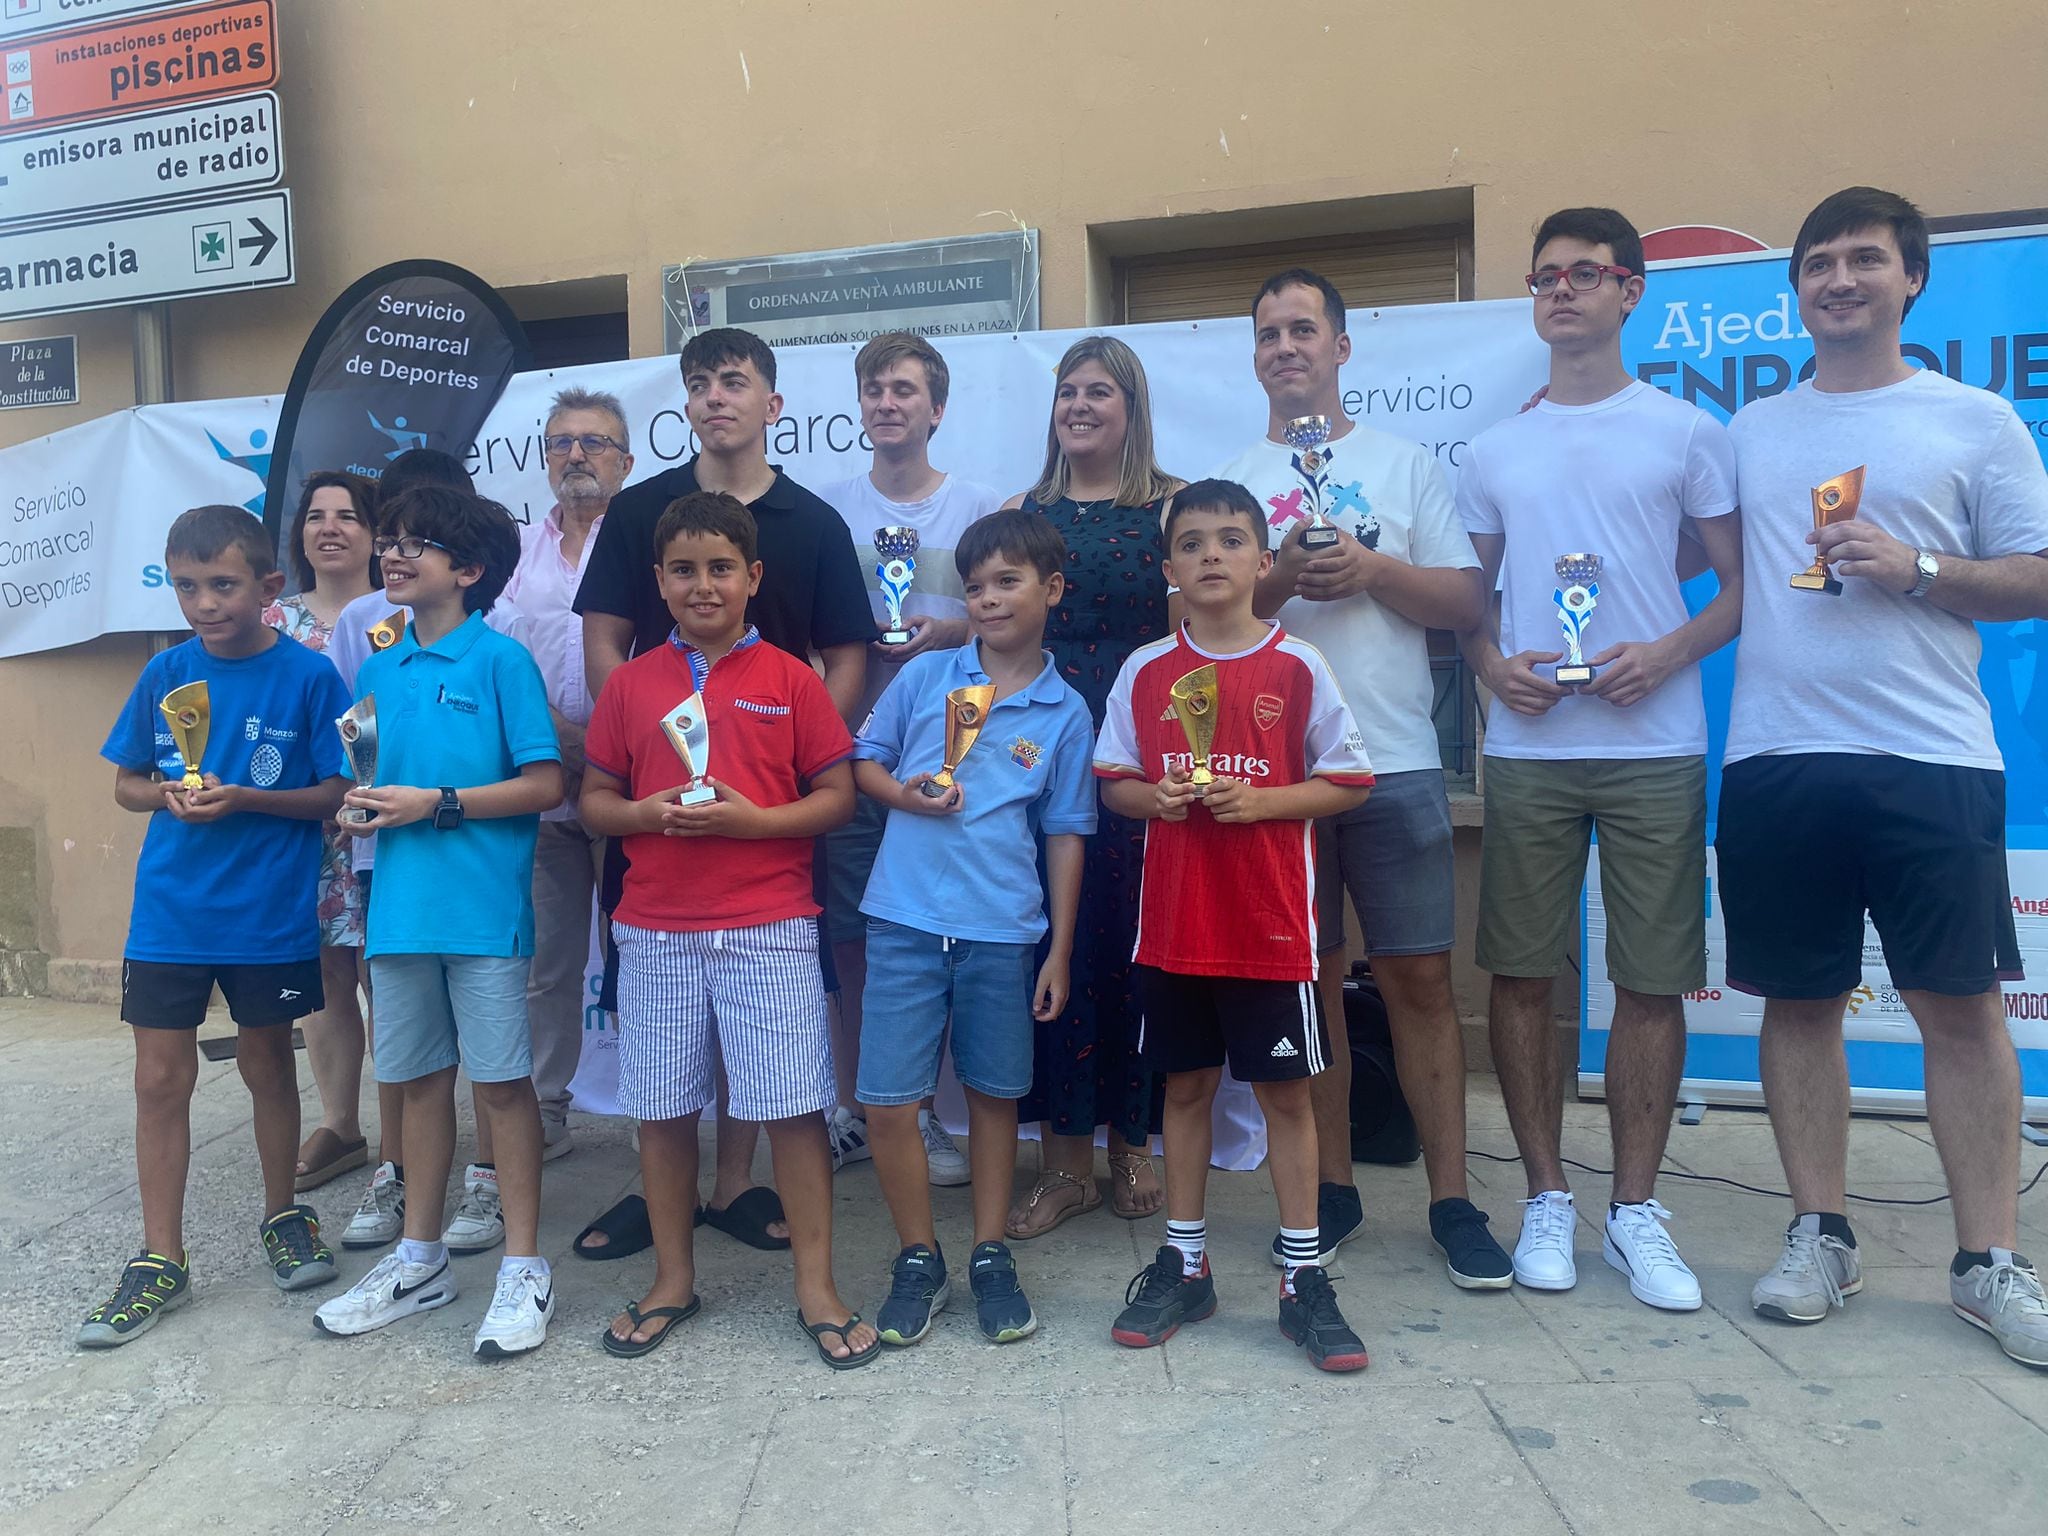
<point>1517,1412</point>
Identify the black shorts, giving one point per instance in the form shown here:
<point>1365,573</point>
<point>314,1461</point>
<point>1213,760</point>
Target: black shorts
<point>1808,842</point>
<point>158,995</point>
<point>1270,1031</point>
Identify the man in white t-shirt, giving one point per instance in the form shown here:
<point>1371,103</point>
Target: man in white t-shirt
<point>903,384</point>
<point>1862,775</point>
<point>1578,505</point>
<point>1399,567</point>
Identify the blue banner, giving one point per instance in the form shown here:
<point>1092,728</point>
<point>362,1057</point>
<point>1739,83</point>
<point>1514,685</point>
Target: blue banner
<point>1723,331</point>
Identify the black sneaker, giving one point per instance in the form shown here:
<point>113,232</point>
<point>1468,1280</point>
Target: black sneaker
<point>1475,1260</point>
<point>1160,1299</point>
<point>291,1241</point>
<point>1339,1216</point>
<point>1310,1318</point>
<point>918,1288</point>
<point>999,1301</point>
<point>150,1286</point>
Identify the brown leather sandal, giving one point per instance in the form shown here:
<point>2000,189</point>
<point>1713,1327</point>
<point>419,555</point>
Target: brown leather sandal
<point>1123,1185</point>
<point>1038,1216</point>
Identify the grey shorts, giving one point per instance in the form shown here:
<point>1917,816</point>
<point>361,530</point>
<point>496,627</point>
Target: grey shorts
<point>1393,855</point>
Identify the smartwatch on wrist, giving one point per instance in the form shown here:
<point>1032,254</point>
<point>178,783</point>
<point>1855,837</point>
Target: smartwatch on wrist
<point>1929,568</point>
<point>448,814</point>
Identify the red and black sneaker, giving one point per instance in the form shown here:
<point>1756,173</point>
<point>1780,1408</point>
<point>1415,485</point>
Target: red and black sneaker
<point>1310,1318</point>
<point>1160,1299</point>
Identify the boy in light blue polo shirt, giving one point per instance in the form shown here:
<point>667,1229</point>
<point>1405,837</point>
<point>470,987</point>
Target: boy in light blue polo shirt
<point>955,910</point>
<point>466,761</point>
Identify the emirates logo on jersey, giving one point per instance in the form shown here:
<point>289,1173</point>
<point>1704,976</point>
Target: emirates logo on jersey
<point>1266,711</point>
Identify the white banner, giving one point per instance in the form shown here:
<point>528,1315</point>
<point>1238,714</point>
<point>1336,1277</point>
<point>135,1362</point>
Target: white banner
<point>81,543</point>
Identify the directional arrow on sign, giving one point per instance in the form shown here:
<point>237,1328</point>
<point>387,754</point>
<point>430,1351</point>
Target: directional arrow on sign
<point>263,240</point>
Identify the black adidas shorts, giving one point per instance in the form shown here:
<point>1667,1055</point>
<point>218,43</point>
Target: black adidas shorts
<point>1269,1031</point>
<point>156,994</point>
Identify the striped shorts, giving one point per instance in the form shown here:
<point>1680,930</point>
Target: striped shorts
<point>753,994</point>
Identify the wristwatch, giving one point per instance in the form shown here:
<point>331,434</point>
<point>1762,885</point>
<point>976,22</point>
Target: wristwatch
<point>1929,568</point>
<point>448,814</point>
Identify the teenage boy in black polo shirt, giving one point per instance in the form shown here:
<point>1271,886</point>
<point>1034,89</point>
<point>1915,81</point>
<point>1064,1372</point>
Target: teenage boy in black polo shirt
<point>812,598</point>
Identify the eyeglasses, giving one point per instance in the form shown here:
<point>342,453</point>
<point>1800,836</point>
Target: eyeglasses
<point>1584,277</point>
<point>411,547</point>
<point>593,443</point>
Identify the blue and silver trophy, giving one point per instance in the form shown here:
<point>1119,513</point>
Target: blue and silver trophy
<point>896,571</point>
<point>1577,595</point>
<point>1306,435</point>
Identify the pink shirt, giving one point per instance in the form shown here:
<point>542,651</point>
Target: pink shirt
<point>544,588</point>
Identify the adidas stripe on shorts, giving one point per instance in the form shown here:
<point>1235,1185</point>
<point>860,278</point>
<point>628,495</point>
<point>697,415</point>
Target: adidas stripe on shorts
<point>1269,1031</point>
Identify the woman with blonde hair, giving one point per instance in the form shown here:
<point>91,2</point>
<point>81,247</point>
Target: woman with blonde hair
<point>1104,491</point>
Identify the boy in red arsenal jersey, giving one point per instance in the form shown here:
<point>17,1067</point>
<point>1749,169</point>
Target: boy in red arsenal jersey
<point>1226,957</point>
<point>717,921</point>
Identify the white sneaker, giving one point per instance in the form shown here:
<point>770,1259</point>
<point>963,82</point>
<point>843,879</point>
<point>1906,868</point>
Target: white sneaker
<point>380,1218</point>
<point>848,1134</point>
<point>949,1163</point>
<point>1640,1248</point>
<point>521,1309</point>
<point>391,1291</point>
<point>1814,1274</point>
<point>478,1224</point>
<point>2005,1300</point>
<point>1543,1253</point>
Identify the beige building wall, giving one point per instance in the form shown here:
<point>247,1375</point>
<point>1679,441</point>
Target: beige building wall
<point>534,142</point>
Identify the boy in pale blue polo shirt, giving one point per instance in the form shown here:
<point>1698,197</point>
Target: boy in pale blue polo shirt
<point>466,761</point>
<point>955,910</point>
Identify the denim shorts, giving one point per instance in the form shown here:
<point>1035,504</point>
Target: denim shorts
<point>1393,855</point>
<point>914,980</point>
<point>438,1011</point>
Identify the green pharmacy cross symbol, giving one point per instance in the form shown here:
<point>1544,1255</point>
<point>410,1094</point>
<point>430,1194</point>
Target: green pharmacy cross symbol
<point>211,249</point>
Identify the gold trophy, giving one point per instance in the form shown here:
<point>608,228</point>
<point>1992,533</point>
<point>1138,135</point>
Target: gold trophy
<point>359,745</point>
<point>689,733</point>
<point>966,713</point>
<point>388,633</point>
<point>189,711</point>
<point>1194,700</point>
<point>1834,501</point>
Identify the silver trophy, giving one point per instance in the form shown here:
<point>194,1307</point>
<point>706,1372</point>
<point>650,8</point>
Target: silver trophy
<point>359,745</point>
<point>1577,595</point>
<point>690,734</point>
<point>1306,435</point>
<point>896,571</point>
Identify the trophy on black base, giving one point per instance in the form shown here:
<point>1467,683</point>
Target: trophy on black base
<point>1306,435</point>
<point>896,570</point>
<point>1835,500</point>
<point>1577,595</point>
<point>690,734</point>
<point>966,713</point>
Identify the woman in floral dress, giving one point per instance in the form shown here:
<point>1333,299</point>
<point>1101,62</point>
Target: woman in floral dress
<point>329,547</point>
<point>1103,490</point>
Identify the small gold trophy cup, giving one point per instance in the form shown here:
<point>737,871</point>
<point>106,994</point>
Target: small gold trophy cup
<point>690,734</point>
<point>1194,700</point>
<point>1834,501</point>
<point>359,745</point>
<point>189,712</point>
<point>388,633</point>
<point>966,713</point>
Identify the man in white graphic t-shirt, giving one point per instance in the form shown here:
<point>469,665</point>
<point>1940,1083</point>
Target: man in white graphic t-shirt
<point>1862,776</point>
<point>1579,504</point>
<point>903,385</point>
<point>1399,566</point>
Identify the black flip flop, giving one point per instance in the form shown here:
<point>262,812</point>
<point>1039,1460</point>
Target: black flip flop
<point>747,1218</point>
<point>626,1349</point>
<point>625,1229</point>
<point>817,1331</point>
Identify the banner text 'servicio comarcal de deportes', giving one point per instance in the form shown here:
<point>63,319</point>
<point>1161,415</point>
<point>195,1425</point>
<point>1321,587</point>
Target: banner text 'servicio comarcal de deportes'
<point>413,355</point>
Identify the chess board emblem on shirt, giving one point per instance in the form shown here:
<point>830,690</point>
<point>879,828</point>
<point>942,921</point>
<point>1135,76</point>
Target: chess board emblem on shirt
<point>1025,753</point>
<point>1266,710</point>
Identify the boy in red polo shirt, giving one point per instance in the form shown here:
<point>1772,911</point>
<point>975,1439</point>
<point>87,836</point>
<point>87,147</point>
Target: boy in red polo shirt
<point>1226,958</point>
<point>717,918</point>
